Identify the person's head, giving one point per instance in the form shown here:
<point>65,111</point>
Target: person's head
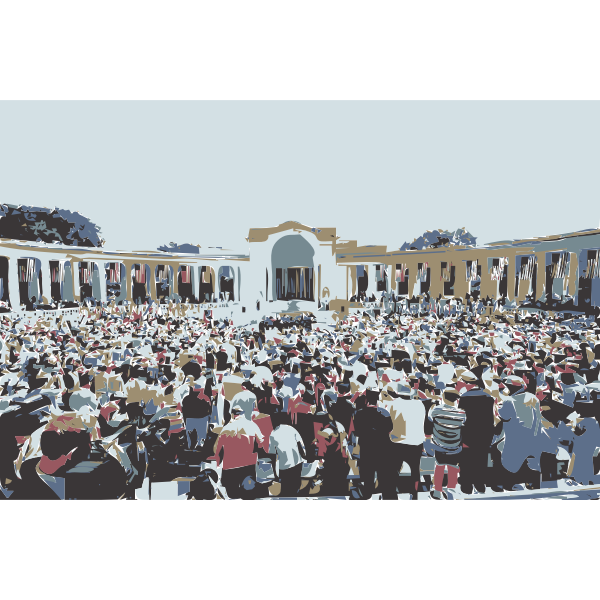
<point>281,418</point>
<point>243,402</point>
<point>236,412</point>
<point>451,396</point>
<point>514,384</point>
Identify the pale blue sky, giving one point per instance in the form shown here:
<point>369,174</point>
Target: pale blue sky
<point>381,172</point>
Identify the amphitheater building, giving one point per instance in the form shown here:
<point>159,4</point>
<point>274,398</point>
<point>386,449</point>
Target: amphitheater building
<point>293,267</point>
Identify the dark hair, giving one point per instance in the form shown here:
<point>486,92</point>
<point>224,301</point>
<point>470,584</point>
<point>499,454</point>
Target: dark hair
<point>280,418</point>
<point>372,397</point>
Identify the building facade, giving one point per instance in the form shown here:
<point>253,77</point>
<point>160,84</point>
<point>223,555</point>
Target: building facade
<point>293,267</point>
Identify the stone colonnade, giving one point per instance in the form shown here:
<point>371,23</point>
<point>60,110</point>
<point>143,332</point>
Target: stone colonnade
<point>74,276</point>
<point>567,260</point>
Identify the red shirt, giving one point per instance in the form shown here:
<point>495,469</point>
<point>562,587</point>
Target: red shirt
<point>266,428</point>
<point>297,406</point>
<point>236,442</point>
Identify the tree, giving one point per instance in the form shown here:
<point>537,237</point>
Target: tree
<point>51,226</point>
<point>441,237</point>
<point>183,248</point>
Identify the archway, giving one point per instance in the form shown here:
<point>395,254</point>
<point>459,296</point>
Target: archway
<point>4,295</point>
<point>115,281</point>
<point>163,275</point>
<point>57,280</point>
<point>88,274</point>
<point>226,283</point>
<point>139,276</point>
<point>207,284</point>
<point>185,283</point>
<point>292,262</point>
<point>30,284</point>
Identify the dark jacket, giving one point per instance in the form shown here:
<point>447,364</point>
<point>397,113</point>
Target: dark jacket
<point>478,430</point>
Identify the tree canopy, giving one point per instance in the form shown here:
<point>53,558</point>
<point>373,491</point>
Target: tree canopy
<point>48,225</point>
<point>441,237</point>
<point>184,248</point>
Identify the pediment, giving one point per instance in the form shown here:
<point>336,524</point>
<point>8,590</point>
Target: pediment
<point>262,234</point>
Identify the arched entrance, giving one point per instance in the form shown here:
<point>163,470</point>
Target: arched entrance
<point>139,276</point>
<point>57,280</point>
<point>115,281</point>
<point>88,276</point>
<point>4,295</point>
<point>207,284</point>
<point>30,281</point>
<point>163,275</point>
<point>226,283</point>
<point>292,261</point>
<point>185,283</point>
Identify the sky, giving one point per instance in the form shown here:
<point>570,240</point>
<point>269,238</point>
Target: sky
<point>150,173</point>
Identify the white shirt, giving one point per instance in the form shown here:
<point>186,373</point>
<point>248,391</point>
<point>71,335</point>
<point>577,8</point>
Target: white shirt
<point>284,441</point>
<point>329,429</point>
<point>181,392</point>
<point>408,417</point>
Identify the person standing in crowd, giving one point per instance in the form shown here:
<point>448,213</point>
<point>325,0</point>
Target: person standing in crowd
<point>237,446</point>
<point>287,446</point>
<point>477,436</point>
<point>196,410</point>
<point>522,421</point>
<point>373,425</point>
<point>408,434</point>
<point>586,440</point>
<point>448,421</point>
<point>331,441</point>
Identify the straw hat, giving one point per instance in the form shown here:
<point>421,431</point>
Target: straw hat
<point>468,376</point>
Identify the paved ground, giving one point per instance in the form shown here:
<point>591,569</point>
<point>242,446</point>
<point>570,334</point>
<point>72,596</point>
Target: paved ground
<point>559,490</point>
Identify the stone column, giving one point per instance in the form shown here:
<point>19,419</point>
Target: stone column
<point>101,280</point>
<point>46,280</point>
<point>573,280</point>
<point>436,285</point>
<point>460,281</point>
<point>127,280</point>
<point>196,270</point>
<point>371,281</point>
<point>319,288</point>
<point>217,283</point>
<point>13,283</point>
<point>488,287</point>
<point>171,273</point>
<point>511,276</point>
<point>541,275</point>
<point>75,273</point>
<point>269,284</point>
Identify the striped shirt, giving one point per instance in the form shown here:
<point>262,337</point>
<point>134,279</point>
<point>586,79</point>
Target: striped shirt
<point>447,424</point>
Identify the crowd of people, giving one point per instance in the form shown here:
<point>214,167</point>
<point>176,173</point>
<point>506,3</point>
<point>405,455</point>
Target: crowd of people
<point>439,402</point>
